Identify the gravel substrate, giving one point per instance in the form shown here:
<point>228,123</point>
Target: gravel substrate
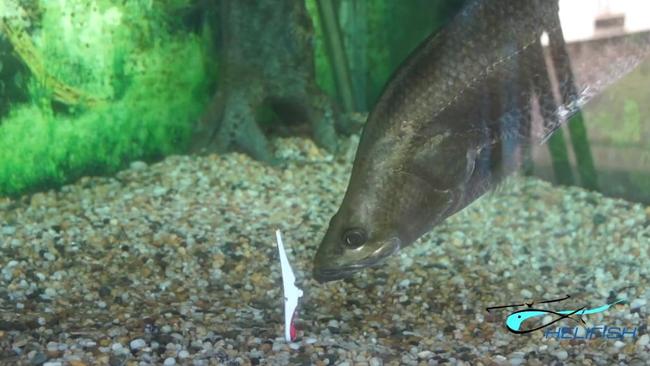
<point>175,263</point>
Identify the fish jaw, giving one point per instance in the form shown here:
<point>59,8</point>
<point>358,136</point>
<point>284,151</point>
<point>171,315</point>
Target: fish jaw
<point>323,275</point>
<point>331,265</point>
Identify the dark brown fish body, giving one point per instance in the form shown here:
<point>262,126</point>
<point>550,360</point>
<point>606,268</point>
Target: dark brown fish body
<point>440,135</point>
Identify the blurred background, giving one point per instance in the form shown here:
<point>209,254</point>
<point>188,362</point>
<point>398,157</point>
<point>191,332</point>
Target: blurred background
<point>87,87</point>
<point>617,122</point>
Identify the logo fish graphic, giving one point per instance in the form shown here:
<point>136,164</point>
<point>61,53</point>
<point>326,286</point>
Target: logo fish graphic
<point>515,320</point>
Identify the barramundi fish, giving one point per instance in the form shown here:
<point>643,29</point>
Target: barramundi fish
<point>449,122</point>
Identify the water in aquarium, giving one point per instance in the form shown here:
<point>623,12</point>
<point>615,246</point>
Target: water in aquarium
<point>324,182</point>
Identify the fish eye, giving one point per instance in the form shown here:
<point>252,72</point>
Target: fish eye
<point>354,238</point>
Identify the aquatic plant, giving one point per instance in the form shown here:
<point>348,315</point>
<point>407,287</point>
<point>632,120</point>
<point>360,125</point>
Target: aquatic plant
<point>120,55</point>
<point>323,68</point>
<point>12,11</point>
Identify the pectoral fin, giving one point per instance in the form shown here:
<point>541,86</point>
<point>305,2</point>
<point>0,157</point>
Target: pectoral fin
<point>443,162</point>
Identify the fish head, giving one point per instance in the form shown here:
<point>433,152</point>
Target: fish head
<point>350,245</point>
<point>376,220</point>
<point>395,195</point>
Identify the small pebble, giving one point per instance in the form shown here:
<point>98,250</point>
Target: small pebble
<point>333,323</point>
<point>644,340</point>
<point>561,354</point>
<point>159,191</point>
<point>500,359</point>
<point>637,303</point>
<point>137,344</point>
<point>169,361</point>
<point>38,358</point>
<point>8,230</point>
<point>138,165</point>
<point>52,346</point>
<point>516,361</point>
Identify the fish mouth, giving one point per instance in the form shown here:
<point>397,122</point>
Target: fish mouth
<point>323,275</point>
<point>326,274</point>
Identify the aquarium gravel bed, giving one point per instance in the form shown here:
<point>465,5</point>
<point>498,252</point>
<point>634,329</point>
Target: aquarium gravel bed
<point>176,263</point>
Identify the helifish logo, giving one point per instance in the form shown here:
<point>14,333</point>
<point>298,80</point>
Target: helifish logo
<point>515,320</point>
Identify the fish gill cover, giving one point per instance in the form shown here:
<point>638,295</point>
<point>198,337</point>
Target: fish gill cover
<point>107,82</point>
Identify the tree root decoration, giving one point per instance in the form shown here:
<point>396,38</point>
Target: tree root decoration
<point>28,53</point>
<point>231,123</point>
<point>267,85</point>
